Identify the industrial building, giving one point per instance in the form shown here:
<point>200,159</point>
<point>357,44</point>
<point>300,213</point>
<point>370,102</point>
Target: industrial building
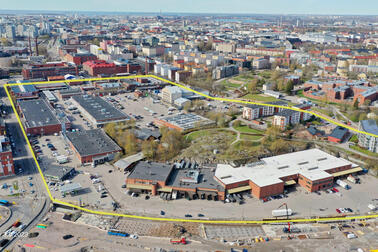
<point>34,71</point>
<point>93,146</point>
<point>39,118</point>
<point>58,173</point>
<point>184,122</point>
<point>97,110</point>
<point>338,134</point>
<point>24,92</point>
<point>312,169</point>
<point>179,180</point>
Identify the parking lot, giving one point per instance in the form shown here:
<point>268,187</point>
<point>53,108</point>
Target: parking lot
<point>92,194</point>
<point>302,203</point>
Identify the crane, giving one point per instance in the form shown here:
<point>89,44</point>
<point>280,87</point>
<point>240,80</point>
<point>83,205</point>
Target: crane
<point>287,216</point>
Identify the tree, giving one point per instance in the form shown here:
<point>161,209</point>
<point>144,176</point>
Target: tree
<point>355,104</point>
<point>149,149</point>
<point>129,143</point>
<point>362,116</point>
<point>188,106</point>
<point>110,130</point>
<point>5,42</point>
<point>172,142</point>
<point>367,102</point>
<point>252,86</point>
<point>272,133</point>
<point>278,146</point>
<point>289,87</point>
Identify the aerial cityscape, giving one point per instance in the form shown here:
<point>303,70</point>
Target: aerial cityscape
<point>195,126</point>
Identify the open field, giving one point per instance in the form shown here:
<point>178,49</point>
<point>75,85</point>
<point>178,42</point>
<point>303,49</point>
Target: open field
<point>259,97</point>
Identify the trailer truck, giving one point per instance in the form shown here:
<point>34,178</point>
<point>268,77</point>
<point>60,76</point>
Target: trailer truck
<point>282,212</point>
<point>343,184</point>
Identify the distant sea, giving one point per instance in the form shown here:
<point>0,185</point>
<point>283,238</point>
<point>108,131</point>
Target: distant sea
<point>249,21</point>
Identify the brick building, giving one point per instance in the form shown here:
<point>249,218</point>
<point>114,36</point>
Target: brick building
<point>93,146</point>
<point>312,169</point>
<point>39,118</point>
<point>35,71</point>
<point>6,158</point>
<point>79,58</point>
<point>341,91</point>
<point>102,67</point>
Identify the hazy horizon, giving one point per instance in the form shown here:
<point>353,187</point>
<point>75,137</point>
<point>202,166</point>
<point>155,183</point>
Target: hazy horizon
<point>241,7</point>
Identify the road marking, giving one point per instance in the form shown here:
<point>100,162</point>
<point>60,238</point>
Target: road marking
<point>176,219</point>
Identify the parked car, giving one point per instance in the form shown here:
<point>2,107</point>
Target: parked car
<point>188,215</point>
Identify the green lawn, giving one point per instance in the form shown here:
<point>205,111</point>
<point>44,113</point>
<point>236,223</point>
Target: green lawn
<point>354,139</point>
<point>358,148</point>
<point>230,85</point>
<point>246,129</point>
<point>258,97</point>
<point>323,111</point>
<point>196,134</point>
<point>250,137</point>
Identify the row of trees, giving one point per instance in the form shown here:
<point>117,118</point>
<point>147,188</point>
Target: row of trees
<point>169,146</point>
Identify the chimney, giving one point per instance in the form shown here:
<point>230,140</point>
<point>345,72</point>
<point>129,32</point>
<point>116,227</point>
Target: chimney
<point>30,48</point>
<point>36,46</point>
<point>146,67</point>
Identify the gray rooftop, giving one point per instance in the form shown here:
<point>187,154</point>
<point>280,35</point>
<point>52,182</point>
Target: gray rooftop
<point>57,171</point>
<point>70,188</point>
<point>205,179</point>
<point>151,171</point>
<point>187,121</point>
<point>70,91</point>
<point>99,109</point>
<point>37,113</point>
<point>92,142</point>
<point>369,126</point>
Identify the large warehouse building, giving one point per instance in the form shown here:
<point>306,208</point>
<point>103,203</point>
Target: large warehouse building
<point>184,122</point>
<point>93,146</point>
<point>312,169</point>
<point>97,110</point>
<point>39,118</point>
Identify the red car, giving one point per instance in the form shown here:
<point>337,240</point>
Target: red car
<point>335,190</point>
<point>338,211</point>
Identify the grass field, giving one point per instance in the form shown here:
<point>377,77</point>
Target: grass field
<point>323,111</point>
<point>246,129</point>
<point>258,97</point>
<point>359,149</point>
<point>230,85</point>
<point>250,137</point>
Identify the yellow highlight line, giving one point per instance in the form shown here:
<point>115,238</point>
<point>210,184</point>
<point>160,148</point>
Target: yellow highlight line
<point>174,219</point>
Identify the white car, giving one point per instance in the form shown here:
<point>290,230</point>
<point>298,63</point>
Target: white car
<point>134,236</point>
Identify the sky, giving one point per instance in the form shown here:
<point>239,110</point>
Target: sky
<point>340,7</point>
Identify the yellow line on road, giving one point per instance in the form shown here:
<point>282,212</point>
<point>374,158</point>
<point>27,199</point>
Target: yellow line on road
<point>175,219</point>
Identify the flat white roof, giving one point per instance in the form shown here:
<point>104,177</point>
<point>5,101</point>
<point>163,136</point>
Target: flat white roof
<point>310,163</point>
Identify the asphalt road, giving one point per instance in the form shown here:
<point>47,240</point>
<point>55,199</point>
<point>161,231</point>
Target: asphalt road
<point>28,206</point>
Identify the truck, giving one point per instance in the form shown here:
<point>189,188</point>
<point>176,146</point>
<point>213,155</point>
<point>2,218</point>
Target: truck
<point>282,212</point>
<point>61,159</point>
<point>179,241</point>
<point>353,179</point>
<point>343,184</point>
<point>372,207</point>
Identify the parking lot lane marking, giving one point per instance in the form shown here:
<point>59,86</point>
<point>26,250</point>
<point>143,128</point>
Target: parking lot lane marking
<point>175,219</point>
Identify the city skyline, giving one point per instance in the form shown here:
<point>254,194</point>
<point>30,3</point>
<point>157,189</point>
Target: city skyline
<point>337,7</point>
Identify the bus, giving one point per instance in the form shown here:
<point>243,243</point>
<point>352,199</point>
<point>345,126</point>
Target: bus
<point>117,233</point>
<point>4,203</point>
